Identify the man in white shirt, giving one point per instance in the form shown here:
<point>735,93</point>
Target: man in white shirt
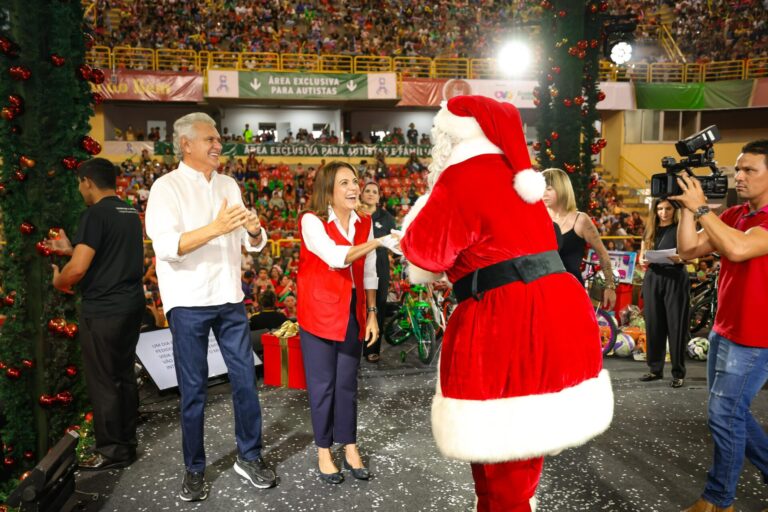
<point>197,222</point>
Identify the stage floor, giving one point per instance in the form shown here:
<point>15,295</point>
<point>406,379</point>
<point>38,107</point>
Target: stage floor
<point>653,458</point>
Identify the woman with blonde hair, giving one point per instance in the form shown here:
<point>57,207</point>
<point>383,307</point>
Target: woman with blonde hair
<point>577,230</point>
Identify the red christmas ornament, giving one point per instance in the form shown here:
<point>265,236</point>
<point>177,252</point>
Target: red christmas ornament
<point>562,13</point>
<point>602,143</point>
<point>90,145</point>
<point>2,188</point>
<point>19,175</point>
<point>550,78</point>
<point>13,373</point>
<point>19,73</point>
<point>88,40</point>
<point>581,54</point>
<point>600,96</point>
<point>556,70</point>
<point>595,149</point>
<point>594,43</point>
<point>29,455</point>
<point>97,98</point>
<point>592,8</point>
<point>5,44</point>
<point>46,400</point>
<point>10,113</point>
<point>56,324</point>
<point>27,228</point>
<point>9,461</point>
<point>69,162</point>
<point>42,249</point>
<point>89,416</point>
<point>70,371</point>
<point>57,60</point>
<point>97,76</point>
<point>70,331</point>
<point>27,162</point>
<point>545,4</point>
<point>548,143</point>
<point>579,100</point>
<point>567,102</point>
<point>603,6</point>
<point>2,366</point>
<point>28,363</point>
<point>16,101</point>
<point>593,205</point>
<point>572,51</point>
<point>84,71</point>
<point>582,45</point>
<point>570,168</point>
<point>10,299</point>
<point>65,398</point>
<point>554,135</point>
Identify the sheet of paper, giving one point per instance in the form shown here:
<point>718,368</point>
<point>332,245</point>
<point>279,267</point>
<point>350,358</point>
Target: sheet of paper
<point>660,256</point>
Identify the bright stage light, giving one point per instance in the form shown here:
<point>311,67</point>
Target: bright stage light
<point>514,58</point>
<point>621,52</point>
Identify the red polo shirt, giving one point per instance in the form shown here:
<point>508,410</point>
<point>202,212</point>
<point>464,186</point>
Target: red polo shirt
<point>743,295</point>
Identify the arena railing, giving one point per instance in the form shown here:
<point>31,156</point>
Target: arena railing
<point>146,59</point>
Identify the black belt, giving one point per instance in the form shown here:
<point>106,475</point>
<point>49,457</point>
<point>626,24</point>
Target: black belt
<point>523,268</point>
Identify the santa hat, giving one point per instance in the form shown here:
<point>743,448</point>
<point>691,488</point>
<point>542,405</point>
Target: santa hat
<point>473,117</point>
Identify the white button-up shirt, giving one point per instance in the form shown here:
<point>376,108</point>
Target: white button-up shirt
<point>182,201</point>
<point>316,239</point>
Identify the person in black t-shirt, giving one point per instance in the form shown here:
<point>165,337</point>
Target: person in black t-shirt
<point>107,261</point>
<point>665,297</point>
<point>269,317</point>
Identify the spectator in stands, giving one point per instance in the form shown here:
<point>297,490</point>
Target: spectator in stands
<point>412,134</point>
<point>262,282</point>
<point>129,134</point>
<point>268,316</point>
<point>247,134</point>
<point>248,284</point>
<point>425,140</point>
<point>413,164</point>
<point>289,307</point>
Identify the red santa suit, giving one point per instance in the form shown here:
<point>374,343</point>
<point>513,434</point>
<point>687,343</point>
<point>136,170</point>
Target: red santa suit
<point>521,367</point>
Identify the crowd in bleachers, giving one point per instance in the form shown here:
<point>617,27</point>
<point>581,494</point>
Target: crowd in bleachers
<point>704,29</point>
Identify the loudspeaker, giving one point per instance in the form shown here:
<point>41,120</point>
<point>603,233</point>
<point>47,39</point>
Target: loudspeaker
<point>50,484</point>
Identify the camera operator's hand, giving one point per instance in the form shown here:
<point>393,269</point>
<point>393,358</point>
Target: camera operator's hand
<point>693,196</point>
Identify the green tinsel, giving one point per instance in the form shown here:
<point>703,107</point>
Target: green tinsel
<point>54,119</point>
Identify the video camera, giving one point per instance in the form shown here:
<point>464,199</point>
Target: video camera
<point>715,185</point>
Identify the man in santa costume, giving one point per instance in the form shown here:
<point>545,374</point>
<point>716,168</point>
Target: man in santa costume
<point>521,369</point>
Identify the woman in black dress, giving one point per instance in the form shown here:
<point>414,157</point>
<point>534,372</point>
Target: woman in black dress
<point>577,231</point>
<point>665,296</point>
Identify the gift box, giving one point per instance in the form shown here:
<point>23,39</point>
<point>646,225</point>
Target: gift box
<point>283,365</point>
<point>623,297</point>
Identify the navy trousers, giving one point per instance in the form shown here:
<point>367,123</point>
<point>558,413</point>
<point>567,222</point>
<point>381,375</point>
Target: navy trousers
<point>190,327</point>
<point>331,371</point>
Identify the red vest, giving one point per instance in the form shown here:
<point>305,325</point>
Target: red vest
<point>324,293</point>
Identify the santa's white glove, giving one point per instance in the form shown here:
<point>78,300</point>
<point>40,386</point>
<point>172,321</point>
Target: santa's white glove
<point>392,243</point>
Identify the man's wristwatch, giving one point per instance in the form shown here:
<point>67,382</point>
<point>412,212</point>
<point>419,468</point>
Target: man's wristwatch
<point>701,211</point>
<point>257,235</point>
<point>373,309</point>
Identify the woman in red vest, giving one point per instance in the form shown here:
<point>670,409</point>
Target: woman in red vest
<point>336,280</point>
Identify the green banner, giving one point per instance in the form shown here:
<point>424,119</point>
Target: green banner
<point>303,86</point>
<point>315,150</point>
<point>694,96</point>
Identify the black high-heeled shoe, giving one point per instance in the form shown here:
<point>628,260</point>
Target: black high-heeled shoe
<point>359,473</point>
<point>331,478</point>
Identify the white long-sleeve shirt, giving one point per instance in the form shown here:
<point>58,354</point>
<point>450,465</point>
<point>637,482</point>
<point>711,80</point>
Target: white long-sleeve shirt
<point>316,239</point>
<point>182,201</point>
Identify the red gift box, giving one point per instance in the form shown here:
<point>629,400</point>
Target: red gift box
<point>623,297</point>
<point>283,365</point>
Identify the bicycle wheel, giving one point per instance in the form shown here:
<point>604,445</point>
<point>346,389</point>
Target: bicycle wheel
<point>397,329</point>
<point>700,316</point>
<point>609,330</point>
<point>427,342</point>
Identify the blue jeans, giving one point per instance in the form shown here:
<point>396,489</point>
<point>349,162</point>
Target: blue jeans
<point>735,374</point>
<point>190,327</point>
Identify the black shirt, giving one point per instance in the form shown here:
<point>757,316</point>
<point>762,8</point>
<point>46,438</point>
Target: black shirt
<point>571,249</point>
<point>666,238</point>
<point>383,223</point>
<point>267,319</point>
<point>112,284</point>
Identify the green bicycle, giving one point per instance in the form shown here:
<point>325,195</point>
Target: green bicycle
<point>415,319</point>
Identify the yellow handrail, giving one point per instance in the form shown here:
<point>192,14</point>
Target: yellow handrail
<point>670,45</point>
<point>631,175</point>
<point>122,57</point>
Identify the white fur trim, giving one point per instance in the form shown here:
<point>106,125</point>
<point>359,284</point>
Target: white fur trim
<point>530,185</point>
<point>457,127</point>
<point>470,148</point>
<point>518,428</point>
<point>418,275</point>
